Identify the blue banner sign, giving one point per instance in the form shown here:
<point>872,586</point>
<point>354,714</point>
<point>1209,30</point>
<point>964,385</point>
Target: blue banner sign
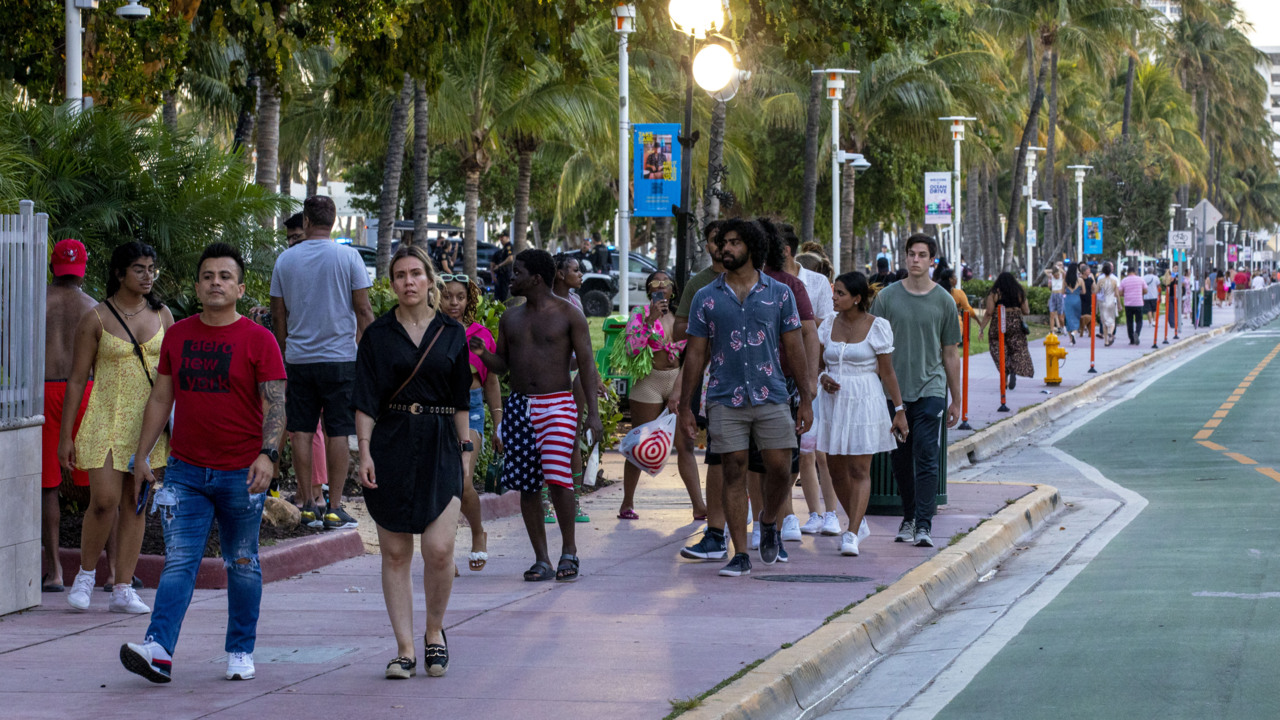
<point>656,174</point>
<point>1093,236</point>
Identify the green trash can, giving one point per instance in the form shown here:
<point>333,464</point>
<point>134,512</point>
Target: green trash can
<point>614,326</point>
<point>1206,309</point>
<point>884,488</point>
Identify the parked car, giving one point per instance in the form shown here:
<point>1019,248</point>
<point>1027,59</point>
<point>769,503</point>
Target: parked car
<point>638,267</point>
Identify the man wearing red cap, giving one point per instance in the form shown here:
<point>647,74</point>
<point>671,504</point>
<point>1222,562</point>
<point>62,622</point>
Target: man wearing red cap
<point>65,303</point>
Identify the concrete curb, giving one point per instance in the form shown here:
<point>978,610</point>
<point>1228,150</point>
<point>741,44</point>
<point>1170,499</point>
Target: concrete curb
<point>991,440</point>
<point>801,677</point>
<point>280,561</point>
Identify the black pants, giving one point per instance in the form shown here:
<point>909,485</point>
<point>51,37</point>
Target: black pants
<point>1133,321</point>
<point>501,286</point>
<point>915,462</point>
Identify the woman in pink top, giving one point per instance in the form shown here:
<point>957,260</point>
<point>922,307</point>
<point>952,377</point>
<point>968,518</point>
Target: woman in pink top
<point>459,298</point>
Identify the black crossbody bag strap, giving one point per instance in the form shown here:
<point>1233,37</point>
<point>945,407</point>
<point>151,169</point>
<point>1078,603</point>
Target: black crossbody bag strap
<point>137,349</point>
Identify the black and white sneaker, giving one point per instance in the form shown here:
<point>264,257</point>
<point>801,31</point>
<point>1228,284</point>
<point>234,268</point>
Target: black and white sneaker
<point>710,547</point>
<point>148,660</point>
<point>782,553</point>
<point>922,537</point>
<point>770,542</point>
<point>738,566</point>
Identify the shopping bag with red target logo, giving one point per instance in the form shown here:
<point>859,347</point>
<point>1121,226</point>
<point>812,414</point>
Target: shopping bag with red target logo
<point>647,446</point>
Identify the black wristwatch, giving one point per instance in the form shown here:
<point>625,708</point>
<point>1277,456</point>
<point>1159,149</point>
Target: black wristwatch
<point>272,454</point>
<point>467,446</point>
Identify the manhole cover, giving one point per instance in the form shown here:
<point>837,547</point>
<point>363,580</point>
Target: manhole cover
<point>814,578</point>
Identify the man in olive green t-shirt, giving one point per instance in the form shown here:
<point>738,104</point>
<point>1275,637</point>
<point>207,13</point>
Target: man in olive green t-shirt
<point>926,329</point>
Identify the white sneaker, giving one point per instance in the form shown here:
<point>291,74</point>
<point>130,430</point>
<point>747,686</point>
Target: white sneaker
<point>755,536</point>
<point>830,524</point>
<point>82,589</point>
<point>790,529</point>
<point>813,526</point>
<point>240,666</point>
<point>864,530</point>
<point>849,545</point>
<point>124,599</point>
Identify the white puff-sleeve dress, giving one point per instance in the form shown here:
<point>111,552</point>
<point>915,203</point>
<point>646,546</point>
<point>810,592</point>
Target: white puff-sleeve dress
<point>855,419</point>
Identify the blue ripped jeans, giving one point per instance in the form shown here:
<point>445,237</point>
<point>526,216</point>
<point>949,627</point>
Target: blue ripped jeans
<point>192,497</point>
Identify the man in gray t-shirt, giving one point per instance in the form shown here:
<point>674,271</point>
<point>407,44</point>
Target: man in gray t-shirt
<point>319,309</point>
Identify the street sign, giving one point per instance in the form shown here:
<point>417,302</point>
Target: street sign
<point>1206,217</point>
<point>1093,236</point>
<point>1265,255</point>
<point>1031,237</point>
<point>1180,240</point>
<point>1246,254</point>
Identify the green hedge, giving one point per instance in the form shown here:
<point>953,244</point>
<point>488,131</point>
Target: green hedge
<point>1037,297</point>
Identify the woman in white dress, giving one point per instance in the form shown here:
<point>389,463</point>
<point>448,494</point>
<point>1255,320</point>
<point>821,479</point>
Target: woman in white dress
<point>856,374</point>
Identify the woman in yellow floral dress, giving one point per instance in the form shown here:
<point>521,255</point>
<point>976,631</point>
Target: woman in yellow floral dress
<point>113,420</point>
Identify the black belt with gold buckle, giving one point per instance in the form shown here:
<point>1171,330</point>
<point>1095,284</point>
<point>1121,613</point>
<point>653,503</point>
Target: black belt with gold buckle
<point>420,409</point>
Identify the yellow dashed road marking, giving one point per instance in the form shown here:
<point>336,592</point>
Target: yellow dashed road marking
<point>1213,423</point>
<point>1242,459</point>
<point>1269,473</point>
<point>1213,446</point>
<point>1221,413</point>
<point>1202,436</point>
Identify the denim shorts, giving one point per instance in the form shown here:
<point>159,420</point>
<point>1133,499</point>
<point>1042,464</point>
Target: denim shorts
<point>475,412</point>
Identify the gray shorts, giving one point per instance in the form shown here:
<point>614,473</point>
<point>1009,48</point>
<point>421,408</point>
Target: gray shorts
<point>1057,302</point>
<point>732,429</point>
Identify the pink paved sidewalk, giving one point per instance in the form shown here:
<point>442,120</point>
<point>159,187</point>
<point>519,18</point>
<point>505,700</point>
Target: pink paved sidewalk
<point>639,628</point>
<point>984,379</point>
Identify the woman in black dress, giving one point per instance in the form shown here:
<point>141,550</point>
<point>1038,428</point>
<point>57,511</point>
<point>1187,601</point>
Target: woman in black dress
<point>409,421</point>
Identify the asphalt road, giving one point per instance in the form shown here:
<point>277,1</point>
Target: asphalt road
<point>1179,614</point>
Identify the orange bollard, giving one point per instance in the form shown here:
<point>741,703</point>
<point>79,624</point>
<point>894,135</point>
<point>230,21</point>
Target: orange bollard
<point>1168,309</point>
<point>1177,316</point>
<point>1003,406</point>
<point>1155,331</point>
<point>964,400</point>
<point>1093,337</point>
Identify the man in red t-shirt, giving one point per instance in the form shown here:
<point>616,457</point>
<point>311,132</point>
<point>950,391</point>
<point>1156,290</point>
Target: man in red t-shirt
<point>222,375</point>
<point>1241,279</point>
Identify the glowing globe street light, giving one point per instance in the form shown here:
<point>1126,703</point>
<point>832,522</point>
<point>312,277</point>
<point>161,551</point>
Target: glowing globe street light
<point>696,18</point>
<point>713,68</point>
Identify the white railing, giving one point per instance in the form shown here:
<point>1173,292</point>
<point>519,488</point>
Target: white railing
<point>24,258</point>
<point>1257,307</point>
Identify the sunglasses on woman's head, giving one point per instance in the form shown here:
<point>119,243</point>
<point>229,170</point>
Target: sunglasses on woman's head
<point>455,278</point>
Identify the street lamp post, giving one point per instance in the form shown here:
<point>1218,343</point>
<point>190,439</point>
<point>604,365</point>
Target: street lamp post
<point>835,93</point>
<point>695,18</point>
<point>1031,215</point>
<point>1080,173</point>
<point>624,20</point>
<point>957,137</point>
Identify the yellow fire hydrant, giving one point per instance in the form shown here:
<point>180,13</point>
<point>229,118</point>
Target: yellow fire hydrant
<point>1053,357</point>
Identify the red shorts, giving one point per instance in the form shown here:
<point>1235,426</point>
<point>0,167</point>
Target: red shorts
<point>50,471</point>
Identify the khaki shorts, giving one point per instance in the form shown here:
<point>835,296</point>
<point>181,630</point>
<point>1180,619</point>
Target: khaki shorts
<point>655,387</point>
<point>733,429</point>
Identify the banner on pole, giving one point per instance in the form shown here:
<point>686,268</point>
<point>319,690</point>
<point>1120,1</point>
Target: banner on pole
<point>656,173</point>
<point>1093,236</point>
<point>1231,254</point>
<point>1031,238</point>
<point>937,198</point>
<point>1246,254</point>
<point>1180,240</point>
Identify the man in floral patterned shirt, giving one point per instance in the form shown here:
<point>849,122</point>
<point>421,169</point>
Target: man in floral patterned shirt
<point>738,322</point>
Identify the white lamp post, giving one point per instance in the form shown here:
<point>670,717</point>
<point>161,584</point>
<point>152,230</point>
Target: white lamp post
<point>1080,172</point>
<point>131,11</point>
<point>835,93</point>
<point>624,21</point>
<point>957,137</point>
<point>1031,215</point>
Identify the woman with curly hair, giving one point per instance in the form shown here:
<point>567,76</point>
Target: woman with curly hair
<point>1007,292</point>
<point>459,299</point>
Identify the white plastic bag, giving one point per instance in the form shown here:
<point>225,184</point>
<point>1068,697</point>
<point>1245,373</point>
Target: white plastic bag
<point>593,462</point>
<point>648,446</point>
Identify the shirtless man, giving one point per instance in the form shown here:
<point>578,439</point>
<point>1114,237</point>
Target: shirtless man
<point>65,303</point>
<point>540,419</point>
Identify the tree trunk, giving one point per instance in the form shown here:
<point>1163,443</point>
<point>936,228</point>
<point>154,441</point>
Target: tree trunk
<point>1019,166</point>
<point>537,234</point>
<point>1128,97</point>
<point>972,222</point>
<point>470,220</point>
<point>997,247</point>
<point>812,126</point>
<point>393,164</point>
<point>847,240</point>
<point>1033,83</point>
<point>715,166</point>
<point>421,184</point>
<point>315,156</point>
<point>268,140</point>
<point>170,109</point>
<point>286,180</point>
<point>244,123</point>
<point>1050,175</point>
<point>524,173</point>
<point>663,241</point>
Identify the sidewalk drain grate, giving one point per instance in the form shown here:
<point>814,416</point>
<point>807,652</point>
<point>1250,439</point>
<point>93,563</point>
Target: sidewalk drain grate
<point>814,578</point>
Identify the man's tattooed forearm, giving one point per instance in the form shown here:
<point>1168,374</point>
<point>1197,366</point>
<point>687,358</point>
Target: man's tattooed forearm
<point>273,418</point>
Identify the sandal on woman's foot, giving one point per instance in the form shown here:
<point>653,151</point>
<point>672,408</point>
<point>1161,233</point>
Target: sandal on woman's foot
<point>435,658</point>
<point>578,515</point>
<point>478,558</point>
<point>402,668</point>
<point>567,571</point>
<point>628,514</point>
<point>539,572</point>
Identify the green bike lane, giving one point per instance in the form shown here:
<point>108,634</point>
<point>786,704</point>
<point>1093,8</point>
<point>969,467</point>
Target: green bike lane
<point>1179,616</point>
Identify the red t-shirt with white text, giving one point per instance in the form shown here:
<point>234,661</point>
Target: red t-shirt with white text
<point>217,420</point>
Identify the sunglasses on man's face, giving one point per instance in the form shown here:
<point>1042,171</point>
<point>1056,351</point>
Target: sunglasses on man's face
<point>445,277</point>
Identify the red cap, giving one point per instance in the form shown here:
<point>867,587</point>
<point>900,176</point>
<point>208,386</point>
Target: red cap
<point>69,258</point>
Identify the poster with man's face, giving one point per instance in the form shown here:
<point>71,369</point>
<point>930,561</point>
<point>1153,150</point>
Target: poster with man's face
<point>656,172</point>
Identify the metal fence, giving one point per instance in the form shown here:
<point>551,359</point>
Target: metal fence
<point>1255,308</point>
<point>24,257</point>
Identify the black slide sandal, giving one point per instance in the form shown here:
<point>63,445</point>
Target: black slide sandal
<point>567,571</point>
<point>539,572</point>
